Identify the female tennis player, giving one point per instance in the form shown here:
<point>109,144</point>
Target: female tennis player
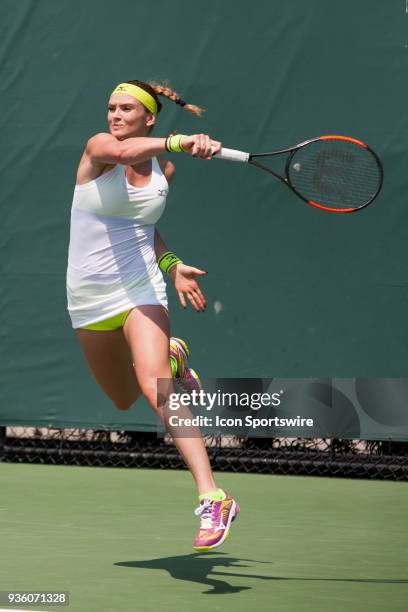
<point>116,293</point>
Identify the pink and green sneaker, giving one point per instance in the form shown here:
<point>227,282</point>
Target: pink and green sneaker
<point>217,513</point>
<point>186,377</point>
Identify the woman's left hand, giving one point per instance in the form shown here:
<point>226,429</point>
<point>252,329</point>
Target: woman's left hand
<point>184,281</point>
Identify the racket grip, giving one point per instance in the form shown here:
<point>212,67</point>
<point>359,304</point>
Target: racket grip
<point>232,155</point>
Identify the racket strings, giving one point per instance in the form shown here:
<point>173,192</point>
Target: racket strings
<point>338,174</point>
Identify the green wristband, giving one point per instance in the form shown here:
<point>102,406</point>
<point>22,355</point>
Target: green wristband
<point>167,261</point>
<point>174,143</point>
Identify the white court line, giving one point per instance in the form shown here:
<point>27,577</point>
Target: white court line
<point>14,610</point>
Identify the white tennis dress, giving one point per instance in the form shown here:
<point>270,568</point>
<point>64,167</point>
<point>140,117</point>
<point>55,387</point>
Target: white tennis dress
<point>111,261</point>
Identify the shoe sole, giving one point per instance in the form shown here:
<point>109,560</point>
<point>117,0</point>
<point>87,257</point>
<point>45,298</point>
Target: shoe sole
<point>181,351</point>
<point>182,346</point>
<point>233,515</point>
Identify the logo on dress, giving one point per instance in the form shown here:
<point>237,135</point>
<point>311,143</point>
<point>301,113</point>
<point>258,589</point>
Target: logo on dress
<point>163,192</point>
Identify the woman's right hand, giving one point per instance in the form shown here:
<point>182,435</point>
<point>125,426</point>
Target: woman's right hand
<point>200,145</point>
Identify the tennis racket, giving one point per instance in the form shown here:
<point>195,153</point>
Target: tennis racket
<point>334,173</point>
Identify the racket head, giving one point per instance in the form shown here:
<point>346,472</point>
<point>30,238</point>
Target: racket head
<point>335,173</point>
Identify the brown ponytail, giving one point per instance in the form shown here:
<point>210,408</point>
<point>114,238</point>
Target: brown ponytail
<point>156,89</point>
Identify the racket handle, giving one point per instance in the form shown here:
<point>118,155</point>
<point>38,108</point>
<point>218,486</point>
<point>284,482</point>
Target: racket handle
<point>232,155</point>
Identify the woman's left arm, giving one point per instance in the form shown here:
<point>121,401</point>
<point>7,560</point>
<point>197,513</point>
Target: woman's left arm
<point>183,276</point>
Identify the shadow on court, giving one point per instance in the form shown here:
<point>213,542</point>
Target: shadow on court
<point>197,566</point>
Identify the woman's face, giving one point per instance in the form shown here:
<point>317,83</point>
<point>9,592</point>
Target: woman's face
<point>128,117</point>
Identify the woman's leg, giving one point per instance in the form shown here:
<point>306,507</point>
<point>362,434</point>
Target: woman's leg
<point>110,360</point>
<point>147,331</point>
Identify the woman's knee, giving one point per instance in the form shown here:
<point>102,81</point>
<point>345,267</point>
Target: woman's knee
<point>124,404</point>
<point>124,401</point>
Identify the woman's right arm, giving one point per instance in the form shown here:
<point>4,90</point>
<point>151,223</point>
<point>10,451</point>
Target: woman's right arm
<point>106,149</point>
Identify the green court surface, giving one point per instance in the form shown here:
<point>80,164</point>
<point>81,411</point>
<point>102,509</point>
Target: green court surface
<point>120,541</point>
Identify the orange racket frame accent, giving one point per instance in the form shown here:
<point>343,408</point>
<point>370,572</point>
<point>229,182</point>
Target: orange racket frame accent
<point>346,138</point>
<point>336,210</point>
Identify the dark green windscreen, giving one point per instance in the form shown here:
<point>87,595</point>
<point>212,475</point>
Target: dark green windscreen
<point>292,291</point>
